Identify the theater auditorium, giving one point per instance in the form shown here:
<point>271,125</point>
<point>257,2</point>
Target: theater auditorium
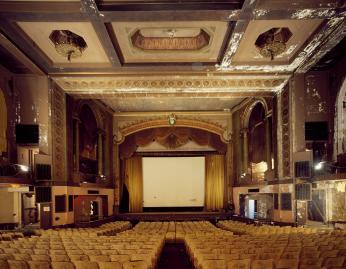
<point>172,134</point>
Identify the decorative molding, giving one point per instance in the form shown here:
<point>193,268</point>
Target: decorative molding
<point>58,134</point>
<point>285,123</point>
<point>132,125</point>
<point>166,84</point>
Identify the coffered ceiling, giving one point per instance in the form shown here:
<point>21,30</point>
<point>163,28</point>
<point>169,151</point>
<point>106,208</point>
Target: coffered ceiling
<point>169,54</point>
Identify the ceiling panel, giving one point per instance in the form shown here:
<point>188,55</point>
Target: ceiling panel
<point>39,32</point>
<point>125,30</point>
<point>247,53</point>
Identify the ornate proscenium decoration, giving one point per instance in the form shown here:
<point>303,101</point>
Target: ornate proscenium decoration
<point>68,44</point>
<point>273,42</point>
<point>172,119</point>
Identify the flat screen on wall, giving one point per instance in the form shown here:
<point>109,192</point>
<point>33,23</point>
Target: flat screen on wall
<point>27,134</point>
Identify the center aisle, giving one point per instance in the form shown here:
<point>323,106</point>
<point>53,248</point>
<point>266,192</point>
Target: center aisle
<point>174,256</point>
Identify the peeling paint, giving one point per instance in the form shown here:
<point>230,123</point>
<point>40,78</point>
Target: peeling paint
<point>260,12</point>
<point>313,13</point>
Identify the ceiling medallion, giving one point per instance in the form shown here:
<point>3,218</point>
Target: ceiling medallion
<point>273,42</point>
<point>68,44</point>
<point>172,119</point>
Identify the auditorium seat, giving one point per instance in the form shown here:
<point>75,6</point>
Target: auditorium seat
<point>262,264</point>
<point>109,265</point>
<point>100,258</point>
<point>239,264</point>
<point>4,264</point>
<point>39,264</point>
<point>334,262</point>
<point>136,265</point>
<point>86,265</point>
<point>40,257</point>
<point>62,265</point>
<point>22,257</point>
<point>286,264</point>
<point>17,264</point>
<point>59,258</point>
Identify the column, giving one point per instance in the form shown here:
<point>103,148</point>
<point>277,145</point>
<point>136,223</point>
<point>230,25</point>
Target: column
<point>245,151</point>
<point>100,152</point>
<point>268,144</point>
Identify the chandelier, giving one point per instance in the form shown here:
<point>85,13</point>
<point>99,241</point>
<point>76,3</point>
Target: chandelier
<point>273,42</point>
<point>68,44</point>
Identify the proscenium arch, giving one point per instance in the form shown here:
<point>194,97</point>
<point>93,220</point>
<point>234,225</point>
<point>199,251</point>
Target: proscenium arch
<point>191,123</point>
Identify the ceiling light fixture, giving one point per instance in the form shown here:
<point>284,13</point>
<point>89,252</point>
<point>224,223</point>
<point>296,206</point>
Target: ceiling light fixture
<point>68,44</point>
<point>273,42</point>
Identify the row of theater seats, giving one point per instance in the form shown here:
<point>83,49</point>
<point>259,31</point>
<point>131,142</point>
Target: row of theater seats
<point>111,228</point>
<point>244,228</point>
<point>270,250</point>
<point>9,236</point>
<point>64,250</point>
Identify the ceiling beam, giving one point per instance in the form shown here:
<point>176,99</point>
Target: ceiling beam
<point>18,54</point>
<point>15,34</point>
<point>333,34</point>
<point>90,8</point>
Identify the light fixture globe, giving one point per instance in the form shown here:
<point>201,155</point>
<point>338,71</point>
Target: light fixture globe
<point>273,42</point>
<point>68,44</point>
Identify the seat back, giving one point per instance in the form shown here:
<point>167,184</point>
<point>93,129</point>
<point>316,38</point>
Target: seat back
<point>17,264</point>
<point>86,265</point>
<point>110,265</point>
<point>62,265</point>
<point>262,264</point>
<point>239,264</point>
<point>39,264</point>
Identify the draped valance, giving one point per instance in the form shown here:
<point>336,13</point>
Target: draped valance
<point>171,138</point>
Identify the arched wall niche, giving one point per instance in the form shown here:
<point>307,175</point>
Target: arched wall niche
<point>256,138</point>
<point>98,117</point>
<point>90,143</point>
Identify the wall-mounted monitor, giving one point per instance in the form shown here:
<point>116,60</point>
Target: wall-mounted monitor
<point>27,134</point>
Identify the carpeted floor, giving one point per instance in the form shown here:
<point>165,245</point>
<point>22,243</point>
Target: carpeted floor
<point>174,256</point>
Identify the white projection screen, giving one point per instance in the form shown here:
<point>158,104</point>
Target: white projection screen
<point>173,181</point>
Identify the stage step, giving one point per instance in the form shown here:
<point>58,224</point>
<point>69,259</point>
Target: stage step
<point>174,256</point>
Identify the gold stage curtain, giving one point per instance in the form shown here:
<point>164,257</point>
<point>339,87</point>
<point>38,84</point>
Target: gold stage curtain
<point>134,183</point>
<point>3,123</point>
<point>215,181</point>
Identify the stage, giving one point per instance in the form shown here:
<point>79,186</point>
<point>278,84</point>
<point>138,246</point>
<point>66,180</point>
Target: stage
<point>174,216</point>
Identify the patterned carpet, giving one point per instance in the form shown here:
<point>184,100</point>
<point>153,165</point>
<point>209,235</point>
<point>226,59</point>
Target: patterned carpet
<point>174,256</point>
